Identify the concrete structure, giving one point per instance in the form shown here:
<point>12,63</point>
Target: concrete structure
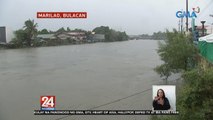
<point>46,36</point>
<point>75,36</point>
<point>78,36</point>
<point>200,30</point>
<point>209,29</point>
<point>6,35</point>
<point>98,37</point>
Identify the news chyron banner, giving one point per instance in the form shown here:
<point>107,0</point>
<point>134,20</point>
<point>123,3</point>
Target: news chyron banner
<point>80,15</point>
<point>48,107</point>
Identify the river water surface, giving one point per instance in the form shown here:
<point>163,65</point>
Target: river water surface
<point>80,76</point>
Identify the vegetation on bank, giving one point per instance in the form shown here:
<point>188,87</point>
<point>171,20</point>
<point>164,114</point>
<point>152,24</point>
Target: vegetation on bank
<point>195,98</point>
<point>27,36</point>
<point>178,53</point>
<point>24,36</point>
<point>155,36</point>
<point>110,34</point>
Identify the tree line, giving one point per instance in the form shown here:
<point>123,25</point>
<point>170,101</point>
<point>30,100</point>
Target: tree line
<point>155,36</point>
<point>27,36</point>
<point>110,34</point>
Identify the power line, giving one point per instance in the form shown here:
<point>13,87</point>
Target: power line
<point>187,19</point>
<point>202,11</point>
<point>205,8</point>
<point>111,102</point>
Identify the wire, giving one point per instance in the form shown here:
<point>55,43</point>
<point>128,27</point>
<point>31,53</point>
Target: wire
<point>201,13</point>
<point>195,2</point>
<point>111,102</point>
<point>205,8</point>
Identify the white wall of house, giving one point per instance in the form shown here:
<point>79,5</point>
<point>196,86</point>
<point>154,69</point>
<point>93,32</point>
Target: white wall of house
<point>210,29</point>
<point>6,34</point>
<point>9,34</point>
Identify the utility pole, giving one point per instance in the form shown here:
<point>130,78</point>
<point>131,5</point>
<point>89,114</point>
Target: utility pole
<point>181,25</point>
<point>211,15</point>
<point>187,12</point>
<point>203,28</point>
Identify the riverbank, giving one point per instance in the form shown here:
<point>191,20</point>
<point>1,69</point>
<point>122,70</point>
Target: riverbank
<point>48,44</point>
<point>197,75</point>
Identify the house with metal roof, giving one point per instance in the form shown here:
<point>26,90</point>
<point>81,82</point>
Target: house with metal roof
<point>46,36</point>
<point>77,36</point>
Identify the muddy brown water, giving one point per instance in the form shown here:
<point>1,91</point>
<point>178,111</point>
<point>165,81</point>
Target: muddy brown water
<point>80,76</point>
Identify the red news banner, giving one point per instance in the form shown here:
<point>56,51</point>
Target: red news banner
<point>61,14</point>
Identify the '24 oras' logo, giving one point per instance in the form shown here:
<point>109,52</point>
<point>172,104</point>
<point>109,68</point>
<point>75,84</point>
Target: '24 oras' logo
<point>182,14</point>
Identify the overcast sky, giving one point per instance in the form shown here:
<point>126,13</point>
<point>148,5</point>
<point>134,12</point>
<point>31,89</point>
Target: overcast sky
<point>132,16</point>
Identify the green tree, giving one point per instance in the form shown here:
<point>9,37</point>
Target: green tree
<point>43,31</point>
<point>195,99</point>
<point>20,38</point>
<point>31,30</point>
<point>159,35</point>
<point>196,95</point>
<point>122,36</point>
<point>61,30</point>
<point>145,36</point>
<point>110,34</point>
<point>103,30</point>
<point>68,29</point>
<point>177,52</point>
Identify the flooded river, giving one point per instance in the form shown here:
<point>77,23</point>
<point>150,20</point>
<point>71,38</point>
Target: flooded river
<point>81,77</point>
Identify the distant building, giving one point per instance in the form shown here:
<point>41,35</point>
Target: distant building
<point>98,37</point>
<point>210,29</point>
<point>6,35</point>
<point>2,35</point>
<point>77,36</point>
<point>199,29</point>
<point>46,36</point>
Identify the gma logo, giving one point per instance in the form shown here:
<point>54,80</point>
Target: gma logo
<point>182,14</point>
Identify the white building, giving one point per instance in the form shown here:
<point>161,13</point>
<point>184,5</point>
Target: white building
<point>210,29</point>
<point>6,35</point>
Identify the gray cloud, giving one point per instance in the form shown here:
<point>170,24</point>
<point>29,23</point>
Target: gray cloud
<point>132,16</point>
